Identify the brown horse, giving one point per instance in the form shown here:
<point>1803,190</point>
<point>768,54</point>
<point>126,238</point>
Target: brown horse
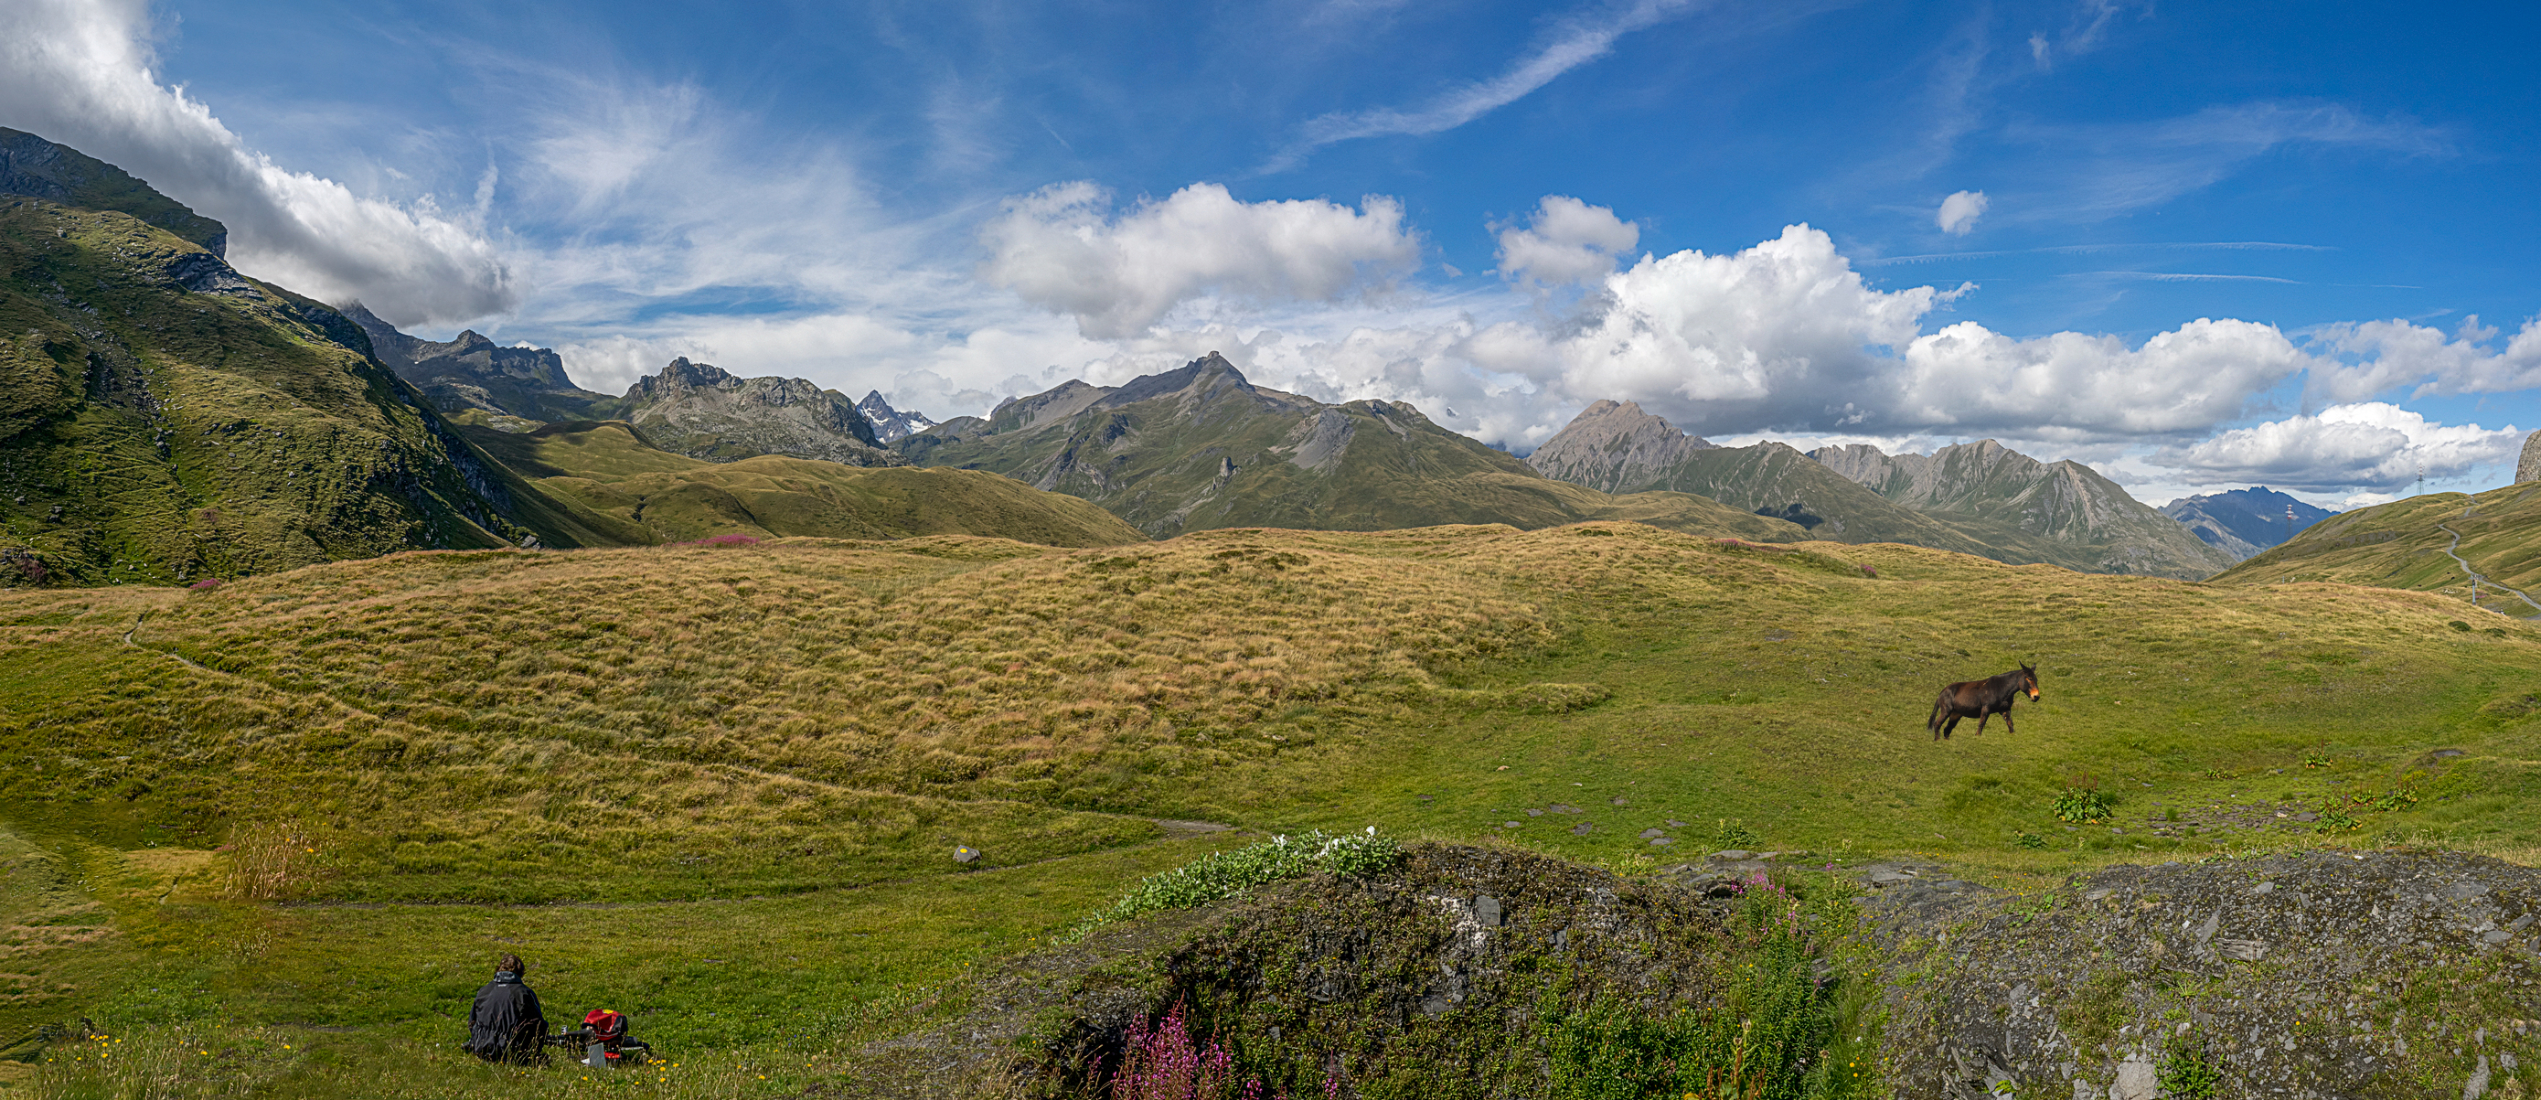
<point>1981,699</point>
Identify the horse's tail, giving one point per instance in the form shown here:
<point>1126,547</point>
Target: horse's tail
<point>1939,704</point>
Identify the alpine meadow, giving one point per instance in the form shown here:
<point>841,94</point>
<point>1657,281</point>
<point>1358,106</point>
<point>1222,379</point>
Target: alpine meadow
<point>1652,551</point>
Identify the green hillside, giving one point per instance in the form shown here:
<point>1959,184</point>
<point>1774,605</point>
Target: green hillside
<point>663,497</point>
<point>165,419</point>
<point>721,741</point>
<point>2402,545</point>
<point>1200,449</point>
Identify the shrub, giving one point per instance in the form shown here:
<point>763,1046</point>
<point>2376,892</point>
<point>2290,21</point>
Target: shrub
<point>2084,806</point>
<point>2031,841</point>
<point>1221,875</point>
<point>2332,821</point>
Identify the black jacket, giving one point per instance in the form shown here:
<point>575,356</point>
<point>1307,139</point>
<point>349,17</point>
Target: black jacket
<point>506,1022</point>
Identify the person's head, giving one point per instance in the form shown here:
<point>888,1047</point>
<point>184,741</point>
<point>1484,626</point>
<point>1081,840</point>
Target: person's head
<point>511,964</point>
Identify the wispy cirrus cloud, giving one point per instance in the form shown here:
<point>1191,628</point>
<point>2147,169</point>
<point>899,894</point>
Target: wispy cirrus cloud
<point>1576,42</point>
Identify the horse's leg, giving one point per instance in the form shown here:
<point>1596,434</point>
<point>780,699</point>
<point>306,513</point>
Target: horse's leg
<point>1952,724</point>
<point>1981,715</point>
<point>2007,721</point>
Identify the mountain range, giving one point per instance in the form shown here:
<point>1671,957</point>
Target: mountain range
<point>891,425</point>
<point>1201,447</point>
<point>166,419</point>
<point>1976,498</point>
<point>2244,521</point>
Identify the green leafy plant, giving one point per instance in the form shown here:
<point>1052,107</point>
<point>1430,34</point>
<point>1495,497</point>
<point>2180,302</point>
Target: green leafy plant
<point>2030,841</point>
<point>2084,806</point>
<point>2187,1074</point>
<point>1730,834</point>
<point>1221,875</point>
<point>2333,820</point>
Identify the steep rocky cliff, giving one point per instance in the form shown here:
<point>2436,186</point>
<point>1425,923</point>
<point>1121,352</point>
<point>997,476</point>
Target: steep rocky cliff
<point>473,372</point>
<point>702,411</point>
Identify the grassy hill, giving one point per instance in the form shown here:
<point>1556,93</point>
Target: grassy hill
<point>2402,545</point>
<point>1200,449</point>
<point>763,756</point>
<point>165,419</point>
<point>663,497</point>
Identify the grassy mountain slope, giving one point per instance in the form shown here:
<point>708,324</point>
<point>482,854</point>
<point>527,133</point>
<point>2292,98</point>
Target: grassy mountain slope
<point>761,724</point>
<point>36,168</point>
<point>663,497</point>
<point>2402,544</point>
<point>1200,448</point>
<point>163,418</point>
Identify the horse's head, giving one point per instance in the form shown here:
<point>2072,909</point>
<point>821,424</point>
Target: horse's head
<point>2029,681</point>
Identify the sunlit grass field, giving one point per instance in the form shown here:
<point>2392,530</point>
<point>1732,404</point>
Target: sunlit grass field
<point>720,787</point>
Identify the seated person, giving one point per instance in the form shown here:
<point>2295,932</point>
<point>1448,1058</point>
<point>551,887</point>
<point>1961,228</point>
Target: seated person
<point>507,1025</point>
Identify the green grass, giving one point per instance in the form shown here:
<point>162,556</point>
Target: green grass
<point>2401,545</point>
<point>607,468</point>
<point>566,728</point>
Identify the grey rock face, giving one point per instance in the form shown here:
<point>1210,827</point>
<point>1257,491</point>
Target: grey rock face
<point>473,372</point>
<point>702,411</point>
<point>2529,469</point>
<point>891,425</point>
<point>1611,445</point>
<point>2064,501</point>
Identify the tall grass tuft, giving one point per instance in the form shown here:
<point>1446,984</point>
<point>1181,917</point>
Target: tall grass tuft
<point>1221,875</point>
<point>268,860</point>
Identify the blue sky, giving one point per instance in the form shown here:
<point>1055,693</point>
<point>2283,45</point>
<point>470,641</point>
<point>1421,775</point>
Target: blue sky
<point>2199,246</point>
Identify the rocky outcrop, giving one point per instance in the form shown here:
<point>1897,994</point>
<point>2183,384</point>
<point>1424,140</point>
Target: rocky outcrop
<point>702,411</point>
<point>1614,448</point>
<point>2318,974</point>
<point>2244,521</point>
<point>471,371</point>
<point>2529,469</point>
<point>891,425</point>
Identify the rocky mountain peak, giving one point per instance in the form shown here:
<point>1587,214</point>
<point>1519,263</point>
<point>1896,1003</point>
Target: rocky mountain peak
<point>703,411</point>
<point>891,425</point>
<point>1611,444</point>
<point>2529,468</point>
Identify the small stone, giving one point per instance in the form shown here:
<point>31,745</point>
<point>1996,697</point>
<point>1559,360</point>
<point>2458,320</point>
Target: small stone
<point>2101,894</point>
<point>2307,816</point>
<point>2244,950</point>
<point>1581,829</point>
<point>1881,880</point>
<point>1676,824</point>
<point>1508,824</point>
<point>1733,855</point>
<point>1647,834</point>
<point>1618,802</point>
<point>964,853</point>
<point>1486,909</point>
<point>1661,842</point>
<point>1535,813</point>
<point>2463,891</point>
<point>2264,888</point>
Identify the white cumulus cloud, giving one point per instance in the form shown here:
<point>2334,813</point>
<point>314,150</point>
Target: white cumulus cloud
<point>1062,249</point>
<point>81,73</point>
<point>2396,353</point>
<point>2366,444</point>
<point>1959,212</point>
<point>1566,241</point>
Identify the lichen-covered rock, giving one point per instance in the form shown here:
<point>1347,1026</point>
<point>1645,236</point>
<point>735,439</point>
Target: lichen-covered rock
<point>2323,974</point>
